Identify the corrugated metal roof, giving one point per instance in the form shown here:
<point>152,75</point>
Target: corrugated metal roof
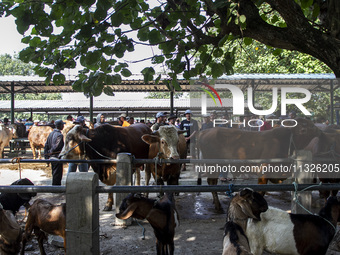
<point>261,82</point>
<point>110,105</point>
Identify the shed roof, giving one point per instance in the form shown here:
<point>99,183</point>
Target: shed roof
<point>261,82</point>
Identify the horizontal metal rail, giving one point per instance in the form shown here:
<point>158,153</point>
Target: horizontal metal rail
<point>173,188</point>
<point>24,160</point>
<point>215,188</point>
<point>32,189</point>
<point>162,161</point>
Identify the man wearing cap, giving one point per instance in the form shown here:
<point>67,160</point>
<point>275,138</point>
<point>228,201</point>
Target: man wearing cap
<point>123,120</point>
<point>53,146</point>
<point>172,119</point>
<point>191,126</point>
<point>160,121</point>
<point>83,167</point>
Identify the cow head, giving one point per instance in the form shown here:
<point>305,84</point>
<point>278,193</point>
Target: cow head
<point>166,138</point>
<point>11,130</point>
<point>304,132</point>
<point>73,148</point>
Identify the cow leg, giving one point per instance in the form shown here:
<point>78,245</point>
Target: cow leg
<point>34,152</point>
<point>109,203</point>
<point>137,172</point>
<point>216,201</point>
<point>39,153</point>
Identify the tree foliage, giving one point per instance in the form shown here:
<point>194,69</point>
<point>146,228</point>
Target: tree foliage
<point>13,66</point>
<point>194,36</point>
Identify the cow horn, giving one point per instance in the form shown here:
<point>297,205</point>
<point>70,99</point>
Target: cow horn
<point>181,131</point>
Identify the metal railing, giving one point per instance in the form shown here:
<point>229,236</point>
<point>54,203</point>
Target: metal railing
<point>82,192</point>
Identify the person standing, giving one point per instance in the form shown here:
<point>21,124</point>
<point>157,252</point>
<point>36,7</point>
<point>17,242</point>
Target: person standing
<point>83,167</point>
<point>191,126</point>
<point>160,121</point>
<point>100,120</point>
<point>123,120</point>
<point>53,146</point>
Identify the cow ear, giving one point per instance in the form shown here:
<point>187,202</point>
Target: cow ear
<point>128,212</point>
<point>313,146</point>
<point>181,131</point>
<point>149,139</point>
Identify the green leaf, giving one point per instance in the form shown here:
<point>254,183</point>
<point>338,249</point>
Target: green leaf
<point>108,91</point>
<point>306,3</point>
<point>157,59</point>
<point>242,18</point>
<point>176,85</point>
<point>148,73</point>
<point>93,58</point>
<point>247,41</point>
<point>126,72</point>
<point>217,70</point>
<point>59,79</point>
<point>77,85</point>
<point>116,79</point>
<point>154,36</point>
<point>35,42</point>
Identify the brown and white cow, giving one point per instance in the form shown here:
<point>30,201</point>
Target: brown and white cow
<point>229,143</point>
<point>7,133</point>
<point>37,136</point>
<point>103,142</point>
<point>166,143</point>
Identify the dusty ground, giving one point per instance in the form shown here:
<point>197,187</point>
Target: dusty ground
<point>200,232</point>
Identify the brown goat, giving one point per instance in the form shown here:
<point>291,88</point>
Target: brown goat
<point>246,204</point>
<point>10,233</point>
<point>43,217</point>
<point>161,214</point>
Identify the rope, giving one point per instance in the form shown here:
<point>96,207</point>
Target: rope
<point>230,190</point>
<point>143,231</point>
<point>69,150</point>
<point>296,199</point>
<point>99,153</point>
<point>156,163</point>
<point>17,160</point>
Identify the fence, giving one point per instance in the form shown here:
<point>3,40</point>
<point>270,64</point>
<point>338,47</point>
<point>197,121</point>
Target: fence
<point>82,207</point>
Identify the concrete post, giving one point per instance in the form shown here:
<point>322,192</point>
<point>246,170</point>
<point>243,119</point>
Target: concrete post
<point>82,214</point>
<point>123,178</point>
<point>302,176</point>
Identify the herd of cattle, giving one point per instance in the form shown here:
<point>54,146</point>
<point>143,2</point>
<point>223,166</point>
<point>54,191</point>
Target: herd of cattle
<point>106,141</point>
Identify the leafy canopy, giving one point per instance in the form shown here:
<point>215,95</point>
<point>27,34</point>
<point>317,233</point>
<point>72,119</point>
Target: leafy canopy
<point>193,36</point>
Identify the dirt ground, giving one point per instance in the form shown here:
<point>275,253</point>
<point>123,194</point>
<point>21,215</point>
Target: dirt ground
<point>200,230</point>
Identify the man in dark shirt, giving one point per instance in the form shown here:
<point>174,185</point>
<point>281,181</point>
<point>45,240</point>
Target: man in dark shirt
<point>191,126</point>
<point>207,122</point>
<point>53,146</point>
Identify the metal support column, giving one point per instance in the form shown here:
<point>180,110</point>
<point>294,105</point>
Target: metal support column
<point>12,102</point>
<point>91,109</point>
<point>171,102</point>
<point>332,102</point>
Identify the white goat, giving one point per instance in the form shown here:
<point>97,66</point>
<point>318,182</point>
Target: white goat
<point>294,234</point>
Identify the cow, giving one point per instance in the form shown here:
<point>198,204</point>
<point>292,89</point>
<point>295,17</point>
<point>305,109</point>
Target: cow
<point>37,136</point>
<point>229,143</point>
<point>166,143</point>
<point>327,146</point>
<point>7,133</point>
<point>104,142</point>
